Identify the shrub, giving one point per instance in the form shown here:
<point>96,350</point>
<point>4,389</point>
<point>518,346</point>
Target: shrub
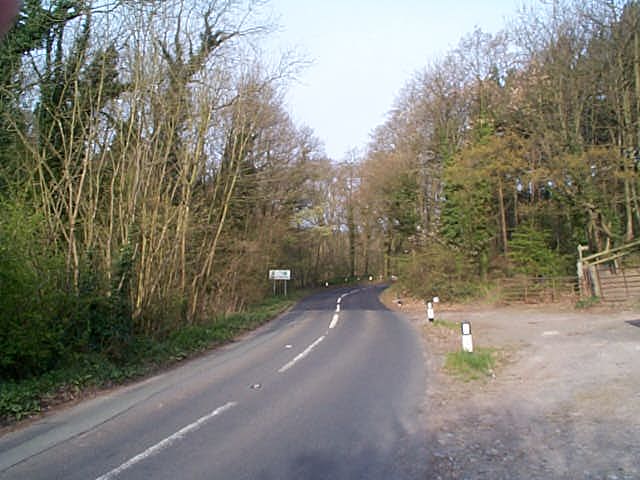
<point>437,271</point>
<point>32,327</point>
<point>530,253</point>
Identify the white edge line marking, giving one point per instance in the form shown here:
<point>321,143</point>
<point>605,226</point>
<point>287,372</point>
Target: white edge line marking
<point>334,321</point>
<point>166,443</point>
<point>338,308</point>
<point>300,356</point>
<point>339,300</point>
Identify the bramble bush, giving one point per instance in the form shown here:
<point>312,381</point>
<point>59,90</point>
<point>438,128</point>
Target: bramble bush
<point>45,322</point>
<point>438,270</point>
<point>32,320</point>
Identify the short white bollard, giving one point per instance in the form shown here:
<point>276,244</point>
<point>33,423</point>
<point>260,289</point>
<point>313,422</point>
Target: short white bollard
<point>430,312</point>
<point>467,340</point>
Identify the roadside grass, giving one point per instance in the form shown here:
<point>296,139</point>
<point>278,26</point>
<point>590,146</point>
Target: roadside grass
<point>586,303</point>
<point>446,324</point>
<point>92,372</point>
<point>471,366</point>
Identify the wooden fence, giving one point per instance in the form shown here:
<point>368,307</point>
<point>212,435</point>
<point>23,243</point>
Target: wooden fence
<point>618,285</point>
<point>611,275</point>
<point>539,289</point>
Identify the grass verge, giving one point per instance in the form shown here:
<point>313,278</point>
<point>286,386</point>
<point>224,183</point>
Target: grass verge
<point>446,324</point>
<point>586,303</point>
<point>90,372</point>
<point>471,366</point>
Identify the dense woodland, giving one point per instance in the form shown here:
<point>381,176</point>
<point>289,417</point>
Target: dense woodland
<point>503,156</point>
<point>150,174</point>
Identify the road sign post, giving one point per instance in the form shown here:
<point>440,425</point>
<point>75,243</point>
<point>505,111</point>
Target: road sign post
<point>279,275</point>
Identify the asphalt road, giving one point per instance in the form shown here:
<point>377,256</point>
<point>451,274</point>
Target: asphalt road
<point>334,389</point>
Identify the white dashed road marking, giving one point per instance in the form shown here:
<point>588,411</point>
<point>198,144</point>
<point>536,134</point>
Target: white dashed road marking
<point>300,356</point>
<point>166,443</point>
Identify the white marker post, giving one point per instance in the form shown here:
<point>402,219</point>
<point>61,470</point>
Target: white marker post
<point>430,312</point>
<point>467,340</point>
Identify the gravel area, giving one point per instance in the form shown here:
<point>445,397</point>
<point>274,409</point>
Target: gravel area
<point>562,403</point>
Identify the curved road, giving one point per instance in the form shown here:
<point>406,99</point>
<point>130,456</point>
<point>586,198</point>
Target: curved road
<point>334,389</point>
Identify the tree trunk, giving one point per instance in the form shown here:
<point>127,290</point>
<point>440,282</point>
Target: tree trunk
<point>503,217</point>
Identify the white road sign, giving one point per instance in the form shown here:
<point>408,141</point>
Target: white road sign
<point>279,274</point>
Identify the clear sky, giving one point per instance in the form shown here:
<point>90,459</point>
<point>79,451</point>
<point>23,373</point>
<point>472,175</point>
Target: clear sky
<point>363,53</point>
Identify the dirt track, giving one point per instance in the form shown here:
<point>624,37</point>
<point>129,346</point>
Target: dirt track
<point>564,402</point>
